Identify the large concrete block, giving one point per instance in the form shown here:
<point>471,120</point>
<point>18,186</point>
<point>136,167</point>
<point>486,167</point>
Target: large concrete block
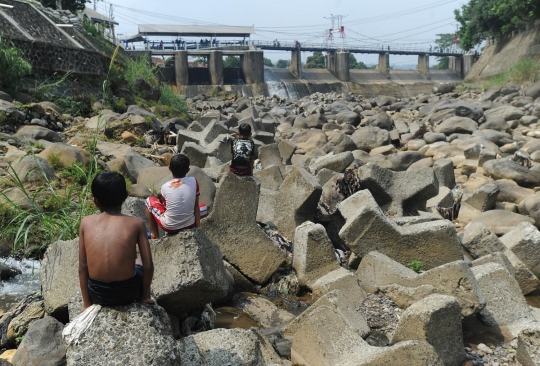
<point>434,243</point>
<point>189,272</point>
<point>346,307</point>
<point>524,242</point>
<point>499,258</point>
<point>340,279</point>
<point>527,280</point>
<point>505,304</point>
<point>528,350</point>
<point>399,193</point>
<point>480,241</point>
<point>232,226</point>
<point>270,178</point>
<point>325,339</point>
<point>269,155</point>
<point>337,162</point>
<point>59,277</point>
<point>436,320</point>
<point>313,253</point>
<point>405,287</point>
<point>444,171</point>
<point>226,347</point>
<point>294,203</point>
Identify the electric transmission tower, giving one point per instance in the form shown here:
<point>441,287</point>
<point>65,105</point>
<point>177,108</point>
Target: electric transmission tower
<point>336,29</point>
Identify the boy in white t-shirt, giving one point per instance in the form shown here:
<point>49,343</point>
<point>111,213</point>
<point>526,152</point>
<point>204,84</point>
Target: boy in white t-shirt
<point>178,207</point>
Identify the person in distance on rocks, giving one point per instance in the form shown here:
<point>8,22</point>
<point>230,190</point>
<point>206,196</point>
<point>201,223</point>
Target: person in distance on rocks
<point>177,207</point>
<point>243,149</point>
<point>110,273</point>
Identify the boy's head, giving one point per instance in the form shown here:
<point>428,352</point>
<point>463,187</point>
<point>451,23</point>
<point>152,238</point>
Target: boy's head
<point>179,165</point>
<point>244,130</point>
<point>109,190</point>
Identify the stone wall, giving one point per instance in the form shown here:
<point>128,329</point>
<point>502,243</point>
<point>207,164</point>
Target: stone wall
<point>45,57</point>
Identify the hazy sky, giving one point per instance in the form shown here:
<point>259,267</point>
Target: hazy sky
<point>388,22</point>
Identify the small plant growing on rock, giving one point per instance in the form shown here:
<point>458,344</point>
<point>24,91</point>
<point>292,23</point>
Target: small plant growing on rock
<point>76,172</point>
<point>55,161</point>
<point>416,266</point>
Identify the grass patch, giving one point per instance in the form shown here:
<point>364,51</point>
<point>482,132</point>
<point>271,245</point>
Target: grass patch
<point>416,266</point>
<point>13,65</point>
<point>171,99</point>
<point>75,172</point>
<point>524,72</point>
<point>139,68</point>
<point>55,161</point>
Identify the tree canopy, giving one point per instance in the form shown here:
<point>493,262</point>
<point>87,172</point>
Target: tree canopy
<point>353,64</point>
<point>481,19</point>
<point>231,61</point>
<point>444,40</point>
<point>283,64</point>
<point>268,62</point>
<point>316,61</point>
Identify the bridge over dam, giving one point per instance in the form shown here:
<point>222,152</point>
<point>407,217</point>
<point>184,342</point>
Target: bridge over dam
<point>253,78</point>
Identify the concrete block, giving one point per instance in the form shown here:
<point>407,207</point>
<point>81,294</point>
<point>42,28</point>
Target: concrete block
<point>444,172</point>
<point>434,243</point>
<point>189,272</point>
<point>292,204</point>
<point>436,320</point>
<point>338,162</point>
<point>528,350</point>
<point>399,193</point>
<point>404,286</point>
<point>505,304</point>
<point>480,241</point>
<point>313,253</point>
<point>286,151</point>
<point>325,339</point>
<point>345,306</point>
<point>270,177</point>
<point>340,279</point>
<point>232,226</point>
<point>269,155</point>
<point>499,258</point>
<point>484,197</point>
<point>524,241</point>
<point>527,280</point>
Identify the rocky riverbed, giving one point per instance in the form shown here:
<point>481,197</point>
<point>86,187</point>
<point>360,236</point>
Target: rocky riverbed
<point>375,230</point>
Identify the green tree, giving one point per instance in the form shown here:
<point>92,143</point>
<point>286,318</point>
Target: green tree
<point>231,61</point>
<point>481,19</point>
<point>353,64</point>
<point>444,40</point>
<point>199,61</point>
<point>268,62</point>
<point>71,5</point>
<point>283,64</point>
<point>316,61</point>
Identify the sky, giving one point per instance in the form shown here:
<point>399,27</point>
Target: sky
<point>385,22</point>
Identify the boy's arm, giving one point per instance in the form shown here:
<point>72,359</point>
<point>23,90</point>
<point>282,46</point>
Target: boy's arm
<point>148,264</point>
<point>83,270</point>
<point>251,164</point>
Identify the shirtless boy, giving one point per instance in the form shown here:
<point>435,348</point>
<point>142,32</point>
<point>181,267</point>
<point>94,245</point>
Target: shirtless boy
<point>109,272</point>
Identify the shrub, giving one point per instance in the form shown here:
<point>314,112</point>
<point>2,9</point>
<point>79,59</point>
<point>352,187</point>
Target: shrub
<point>170,98</point>
<point>525,71</point>
<point>139,68</point>
<point>75,172</point>
<point>54,161</point>
<point>415,265</point>
<point>13,65</point>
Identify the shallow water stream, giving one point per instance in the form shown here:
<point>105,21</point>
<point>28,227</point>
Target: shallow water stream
<point>16,288</point>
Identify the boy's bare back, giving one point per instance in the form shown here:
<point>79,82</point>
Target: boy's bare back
<point>110,243</point>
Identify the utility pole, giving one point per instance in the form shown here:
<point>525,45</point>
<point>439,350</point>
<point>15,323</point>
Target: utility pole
<point>336,28</point>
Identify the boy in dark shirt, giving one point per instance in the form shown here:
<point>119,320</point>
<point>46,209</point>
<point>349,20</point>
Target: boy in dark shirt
<point>109,272</point>
<point>243,152</point>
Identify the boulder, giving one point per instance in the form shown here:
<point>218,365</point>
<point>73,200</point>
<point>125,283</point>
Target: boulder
<point>264,312</point>
<point>401,161</point>
<point>524,242</point>
<point>67,154</point>
<point>189,272</point>
<point>59,277</point>
<point>313,253</point>
<point>135,334</point>
<point>507,112</point>
<point>533,90</point>
<point>34,133</point>
<point>32,169</point>
<point>348,117</point>
<point>232,226</point>
<point>337,162</point>
<point>460,108</point>
<point>509,169</point>
<point>436,320</point>
<point>510,191</point>
<point>529,342</point>
<point>135,163</point>
<point>308,140</point>
<point>233,347</point>
<point>368,138</point>
<point>531,206</point>
<point>501,222</point>
<point>383,121</point>
<point>340,142</point>
<point>42,345</point>
<point>457,125</point>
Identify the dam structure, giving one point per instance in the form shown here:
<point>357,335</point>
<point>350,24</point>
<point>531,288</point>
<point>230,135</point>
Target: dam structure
<point>253,78</point>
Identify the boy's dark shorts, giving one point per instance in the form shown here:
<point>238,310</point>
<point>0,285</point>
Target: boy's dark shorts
<point>116,292</point>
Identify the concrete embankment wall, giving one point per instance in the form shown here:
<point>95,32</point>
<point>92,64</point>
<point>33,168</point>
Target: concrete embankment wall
<point>501,56</point>
<point>369,83</point>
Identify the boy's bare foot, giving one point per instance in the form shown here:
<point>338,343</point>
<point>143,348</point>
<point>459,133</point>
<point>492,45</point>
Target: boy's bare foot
<point>148,301</point>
